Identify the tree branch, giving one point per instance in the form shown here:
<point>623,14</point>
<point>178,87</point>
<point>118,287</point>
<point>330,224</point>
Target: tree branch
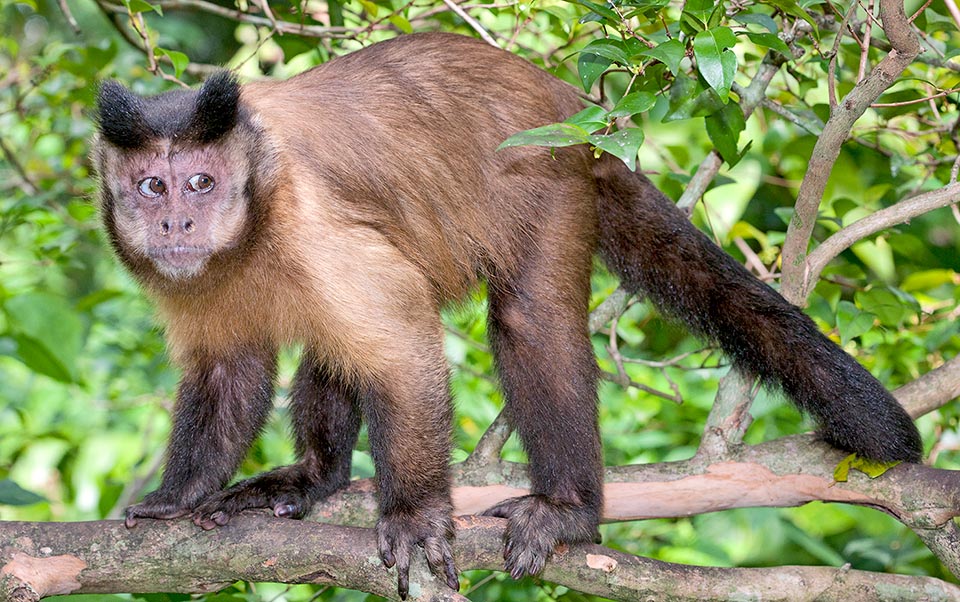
<point>880,220</point>
<point>42,559</point>
<point>796,281</point>
<point>932,390</point>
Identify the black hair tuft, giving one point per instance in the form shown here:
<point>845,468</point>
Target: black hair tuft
<point>216,108</point>
<point>120,116</point>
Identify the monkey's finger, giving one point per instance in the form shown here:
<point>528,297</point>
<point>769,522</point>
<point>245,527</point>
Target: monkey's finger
<point>403,570</point>
<point>440,559</point>
<point>385,549</point>
<point>130,521</point>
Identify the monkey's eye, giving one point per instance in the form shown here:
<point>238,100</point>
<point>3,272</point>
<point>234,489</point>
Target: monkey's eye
<point>201,182</point>
<point>152,187</point>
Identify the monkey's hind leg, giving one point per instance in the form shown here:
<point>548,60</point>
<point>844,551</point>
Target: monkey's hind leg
<point>326,421</point>
<point>548,373</point>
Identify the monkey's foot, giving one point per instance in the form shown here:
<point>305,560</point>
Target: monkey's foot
<point>156,505</point>
<point>537,524</point>
<point>289,492</point>
<point>430,528</point>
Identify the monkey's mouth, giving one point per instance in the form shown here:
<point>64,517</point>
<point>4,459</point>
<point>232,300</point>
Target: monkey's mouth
<point>179,261</point>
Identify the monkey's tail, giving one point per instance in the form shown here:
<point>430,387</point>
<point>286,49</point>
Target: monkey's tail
<point>656,251</point>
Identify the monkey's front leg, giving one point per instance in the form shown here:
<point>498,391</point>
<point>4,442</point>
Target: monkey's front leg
<point>222,402</point>
<point>409,415</point>
<point>326,421</point>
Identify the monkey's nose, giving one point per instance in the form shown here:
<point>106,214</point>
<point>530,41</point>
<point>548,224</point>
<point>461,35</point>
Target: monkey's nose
<point>187,225</point>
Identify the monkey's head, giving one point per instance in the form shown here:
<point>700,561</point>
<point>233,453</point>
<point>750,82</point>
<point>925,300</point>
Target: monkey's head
<point>175,176</point>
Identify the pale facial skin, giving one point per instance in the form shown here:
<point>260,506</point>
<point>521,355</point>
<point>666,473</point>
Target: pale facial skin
<point>178,206</point>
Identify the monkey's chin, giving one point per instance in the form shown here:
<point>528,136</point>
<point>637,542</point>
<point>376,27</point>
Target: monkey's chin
<point>179,262</point>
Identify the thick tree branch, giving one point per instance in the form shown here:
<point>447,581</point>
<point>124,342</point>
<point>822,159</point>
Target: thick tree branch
<point>932,390</point>
<point>42,559</point>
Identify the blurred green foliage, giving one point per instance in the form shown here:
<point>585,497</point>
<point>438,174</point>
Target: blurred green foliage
<point>86,387</point>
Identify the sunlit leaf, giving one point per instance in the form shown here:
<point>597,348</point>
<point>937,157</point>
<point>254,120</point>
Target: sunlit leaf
<point>715,61</point>
<point>633,103</point>
<point>624,144</point>
<point>670,53</point>
<point>554,135</point>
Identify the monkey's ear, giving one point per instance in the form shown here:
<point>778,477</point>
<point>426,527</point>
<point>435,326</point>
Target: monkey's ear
<point>120,116</point>
<point>216,109</point>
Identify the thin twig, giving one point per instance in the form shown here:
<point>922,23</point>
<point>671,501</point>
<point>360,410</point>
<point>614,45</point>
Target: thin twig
<point>65,9</point>
<point>473,23</point>
<point>28,186</point>
<point>865,45</point>
<point>915,100</point>
<point>875,222</point>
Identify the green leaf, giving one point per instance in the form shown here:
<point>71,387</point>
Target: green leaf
<point>688,99</point>
<point>724,128</point>
<point>670,53</point>
<point>701,10</point>
<point>335,8</point>
<point>624,144</point>
<point>12,494</point>
<point>716,63</point>
<point>852,322</point>
<point>890,309</point>
<point>871,468</point>
<point>554,135</point>
<point>590,119</point>
<point>633,103</point>
<point>600,10</point>
<point>371,8</point>
<point>179,60</point>
<point>590,67</point>
<point>609,49</point>
<point>765,21</point>
<point>769,40</point>
<point>48,332</point>
<point>401,23</point>
<point>791,7</point>
<point>929,279</point>
<point>141,6</point>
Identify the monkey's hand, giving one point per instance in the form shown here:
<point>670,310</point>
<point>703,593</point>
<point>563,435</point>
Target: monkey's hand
<point>157,504</point>
<point>399,533</point>
<point>537,524</point>
<point>289,491</point>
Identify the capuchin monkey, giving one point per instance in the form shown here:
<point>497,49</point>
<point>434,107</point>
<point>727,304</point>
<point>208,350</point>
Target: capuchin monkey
<point>341,210</point>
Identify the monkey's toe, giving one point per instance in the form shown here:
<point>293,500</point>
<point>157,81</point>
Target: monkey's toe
<point>154,508</point>
<point>536,525</point>
<point>399,534</point>
<point>289,492</point>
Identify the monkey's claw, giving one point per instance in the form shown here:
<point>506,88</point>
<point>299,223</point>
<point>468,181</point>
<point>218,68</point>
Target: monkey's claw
<point>536,525</point>
<point>398,535</point>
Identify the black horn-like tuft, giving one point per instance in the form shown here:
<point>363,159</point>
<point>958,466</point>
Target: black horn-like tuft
<point>216,109</point>
<point>120,116</point>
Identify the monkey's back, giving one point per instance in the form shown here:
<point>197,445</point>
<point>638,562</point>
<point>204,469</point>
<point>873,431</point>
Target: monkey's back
<point>424,115</point>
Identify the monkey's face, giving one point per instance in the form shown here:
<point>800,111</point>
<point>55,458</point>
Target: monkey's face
<point>176,207</point>
<point>175,173</point>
